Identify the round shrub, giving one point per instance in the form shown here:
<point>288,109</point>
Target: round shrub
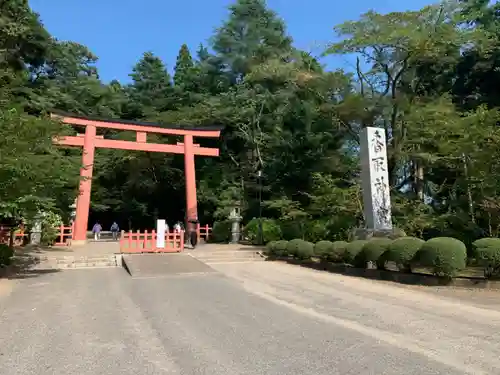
<point>402,251</point>
<point>6,254</point>
<point>293,247</point>
<point>280,248</point>
<point>372,251</point>
<point>338,251</point>
<point>323,249</point>
<point>270,248</point>
<point>487,253</point>
<point>330,251</point>
<point>305,250</point>
<point>352,250</point>
<point>489,258</point>
<point>271,231</point>
<point>486,242</point>
<point>445,255</point>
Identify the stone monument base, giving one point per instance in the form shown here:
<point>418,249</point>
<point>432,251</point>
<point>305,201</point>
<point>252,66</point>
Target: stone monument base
<point>35,238</point>
<point>367,233</point>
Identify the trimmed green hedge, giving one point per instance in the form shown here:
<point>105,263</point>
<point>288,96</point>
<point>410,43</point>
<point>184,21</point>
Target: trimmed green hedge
<point>323,249</point>
<point>486,242</point>
<point>487,253</point>
<point>305,250</point>
<point>338,251</point>
<point>352,250</point>
<point>277,248</point>
<point>402,251</point>
<point>280,248</point>
<point>293,247</point>
<point>270,247</point>
<point>372,252</point>
<point>445,255</point>
<point>331,251</point>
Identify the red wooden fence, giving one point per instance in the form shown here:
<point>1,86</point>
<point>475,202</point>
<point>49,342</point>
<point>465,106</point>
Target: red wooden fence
<point>137,242</point>
<point>203,232</point>
<point>64,236</point>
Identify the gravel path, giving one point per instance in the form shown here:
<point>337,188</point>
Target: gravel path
<point>260,318</point>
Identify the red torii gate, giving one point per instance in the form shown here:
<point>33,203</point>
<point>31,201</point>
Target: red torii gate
<point>90,141</point>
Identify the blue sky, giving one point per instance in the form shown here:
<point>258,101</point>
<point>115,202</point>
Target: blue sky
<point>120,31</point>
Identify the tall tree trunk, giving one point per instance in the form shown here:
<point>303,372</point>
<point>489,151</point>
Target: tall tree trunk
<point>418,175</point>
<point>469,192</point>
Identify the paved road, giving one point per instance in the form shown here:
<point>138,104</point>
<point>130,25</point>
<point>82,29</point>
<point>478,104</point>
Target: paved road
<point>257,318</point>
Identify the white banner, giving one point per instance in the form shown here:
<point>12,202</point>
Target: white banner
<point>161,227</point>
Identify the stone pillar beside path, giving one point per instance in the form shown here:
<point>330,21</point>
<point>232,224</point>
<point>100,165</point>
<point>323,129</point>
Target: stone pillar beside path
<point>375,185</point>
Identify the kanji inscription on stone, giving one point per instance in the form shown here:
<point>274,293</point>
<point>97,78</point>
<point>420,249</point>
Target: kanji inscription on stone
<point>375,179</point>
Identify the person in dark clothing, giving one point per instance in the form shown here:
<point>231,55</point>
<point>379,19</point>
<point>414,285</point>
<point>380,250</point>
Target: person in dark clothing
<point>192,233</point>
<point>114,230</point>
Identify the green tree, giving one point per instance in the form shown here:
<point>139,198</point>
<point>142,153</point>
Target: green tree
<point>393,47</point>
<point>183,67</point>
<point>187,79</point>
<point>151,91</point>
<point>34,174</point>
<point>252,34</point>
<point>24,41</point>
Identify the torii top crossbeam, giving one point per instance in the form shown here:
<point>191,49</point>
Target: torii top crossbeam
<point>90,140</point>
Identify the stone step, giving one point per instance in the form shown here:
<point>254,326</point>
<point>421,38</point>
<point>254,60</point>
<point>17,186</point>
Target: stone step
<point>82,265</point>
<point>74,258</point>
<point>78,262</point>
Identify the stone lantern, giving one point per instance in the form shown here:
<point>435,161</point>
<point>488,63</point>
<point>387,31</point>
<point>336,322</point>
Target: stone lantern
<point>72,207</point>
<point>235,219</point>
<point>36,230</point>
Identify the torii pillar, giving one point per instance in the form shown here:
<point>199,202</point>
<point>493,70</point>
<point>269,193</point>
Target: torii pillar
<point>86,172</point>
<point>189,172</point>
<point>90,141</point>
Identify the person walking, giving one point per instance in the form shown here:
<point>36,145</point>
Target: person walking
<point>177,227</point>
<point>96,229</point>
<point>114,230</point>
<point>193,232</point>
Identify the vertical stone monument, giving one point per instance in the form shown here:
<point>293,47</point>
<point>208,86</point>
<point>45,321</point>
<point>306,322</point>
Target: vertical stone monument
<point>375,184</point>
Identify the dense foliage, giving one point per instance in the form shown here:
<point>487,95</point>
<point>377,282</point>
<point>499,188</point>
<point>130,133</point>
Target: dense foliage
<point>429,77</point>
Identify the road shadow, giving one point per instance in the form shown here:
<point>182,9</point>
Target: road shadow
<point>31,273</point>
<point>24,267</point>
<point>46,249</point>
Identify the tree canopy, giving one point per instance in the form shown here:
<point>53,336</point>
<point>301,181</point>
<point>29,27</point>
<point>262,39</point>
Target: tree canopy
<point>291,125</point>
